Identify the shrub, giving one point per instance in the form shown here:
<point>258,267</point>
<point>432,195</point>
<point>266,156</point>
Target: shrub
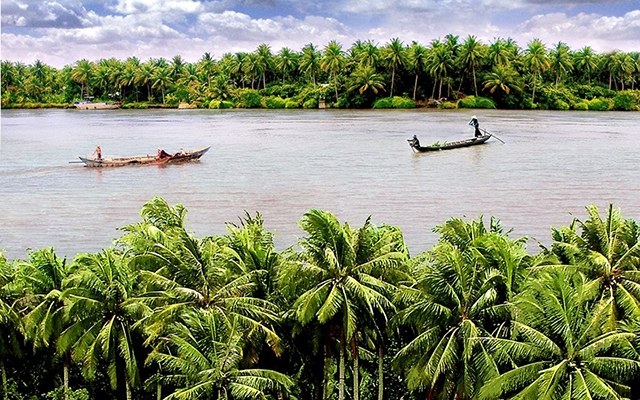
<point>384,102</point>
<point>582,106</point>
<point>627,100</point>
<point>291,103</point>
<point>448,105</point>
<point>220,104</point>
<point>560,105</point>
<point>402,102</point>
<point>600,104</point>
<point>273,102</point>
<point>248,98</point>
<point>476,102</point>
<point>311,103</point>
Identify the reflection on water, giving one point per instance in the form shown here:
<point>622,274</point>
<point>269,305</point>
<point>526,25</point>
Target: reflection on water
<point>283,163</point>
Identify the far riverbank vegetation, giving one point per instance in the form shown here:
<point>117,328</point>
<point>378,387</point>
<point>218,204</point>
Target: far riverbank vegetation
<point>345,313</point>
<point>447,73</point>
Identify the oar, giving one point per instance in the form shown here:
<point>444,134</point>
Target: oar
<point>491,134</point>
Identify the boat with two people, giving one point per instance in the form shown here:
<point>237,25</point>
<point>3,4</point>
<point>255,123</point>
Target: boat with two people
<point>89,104</point>
<point>480,137</point>
<point>160,158</point>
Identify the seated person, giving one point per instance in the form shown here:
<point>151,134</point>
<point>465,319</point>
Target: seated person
<point>162,154</point>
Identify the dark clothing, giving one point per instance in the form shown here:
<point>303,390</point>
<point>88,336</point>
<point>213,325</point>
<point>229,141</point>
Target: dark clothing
<point>416,142</point>
<point>163,154</point>
<point>474,122</point>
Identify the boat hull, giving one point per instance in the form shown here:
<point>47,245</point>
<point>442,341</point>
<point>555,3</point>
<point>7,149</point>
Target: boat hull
<point>451,145</point>
<point>97,106</point>
<point>191,155</point>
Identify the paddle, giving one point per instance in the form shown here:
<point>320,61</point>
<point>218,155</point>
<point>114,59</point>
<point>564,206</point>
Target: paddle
<point>491,134</point>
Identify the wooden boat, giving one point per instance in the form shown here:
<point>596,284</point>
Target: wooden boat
<point>89,104</point>
<point>190,155</point>
<point>415,144</point>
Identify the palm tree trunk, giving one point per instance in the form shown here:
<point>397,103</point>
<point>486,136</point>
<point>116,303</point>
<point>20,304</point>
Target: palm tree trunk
<point>433,92</point>
<point>127,387</point>
<point>158,391</point>
<point>415,87</point>
<point>65,375</point>
<point>533,95</point>
<point>342,368</point>
<point>3,372</point>
<point>440,90</point>
<point>325,373</point>
<point>393,77</point>
<point>356,370</point>
<point>475,85</point>
<point>380,373</point>
<point>335,83</point>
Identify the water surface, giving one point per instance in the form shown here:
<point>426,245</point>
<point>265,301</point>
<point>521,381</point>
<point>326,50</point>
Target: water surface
<point>285,162</point>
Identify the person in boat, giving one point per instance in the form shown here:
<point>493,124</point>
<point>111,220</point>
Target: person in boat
<point>415,141</point>
<point>98,153</point>
<point>162,154</point>
<point>181,152</point>
<point>474,122</point>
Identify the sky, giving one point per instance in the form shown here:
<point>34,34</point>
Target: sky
<point>61,32</point>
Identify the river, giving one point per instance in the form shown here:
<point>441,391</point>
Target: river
<point>284,162</point>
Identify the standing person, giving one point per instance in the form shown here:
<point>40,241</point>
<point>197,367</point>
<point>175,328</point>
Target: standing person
<point>474,122</point>
<point>98,152</point>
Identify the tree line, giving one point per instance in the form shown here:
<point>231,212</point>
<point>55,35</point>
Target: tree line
<point>508,75</point>
<point>346,313</point>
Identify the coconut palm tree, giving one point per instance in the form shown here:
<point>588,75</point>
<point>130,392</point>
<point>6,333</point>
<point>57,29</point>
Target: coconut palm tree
<point>42,278</point>
<point>101,313</point>
<point>207,65</point>
<point>586,61</point>
<point>366,79</point>
<point>203,358</point>
<point>607,251</point>
<point>10,321</point>
<point>83,74</point>
<point>286,62</point>
<point>395,57</point>
<point>537,61</point>
<point>440,64</point>
<point>471,54</point>
<point>417,57</point>
<point>342,270</point>
<point>310,62</point>
<point>264,62</point>
<point>561,63</point>
<point>458,297</point>
<point>504,78</point>
<point>333,61</point>
<point>558,349</point>
<point>161,79</point>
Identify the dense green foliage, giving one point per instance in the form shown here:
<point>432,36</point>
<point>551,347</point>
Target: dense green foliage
<point>349,315</point>
<point>364,75</point>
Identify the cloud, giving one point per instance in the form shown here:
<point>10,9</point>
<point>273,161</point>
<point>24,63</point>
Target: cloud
<point>603,33</point>
<point>40,14</point>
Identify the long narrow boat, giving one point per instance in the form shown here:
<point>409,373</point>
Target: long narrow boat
<point>415,144</point>
<point>190,155</point>
<point>89,104</point>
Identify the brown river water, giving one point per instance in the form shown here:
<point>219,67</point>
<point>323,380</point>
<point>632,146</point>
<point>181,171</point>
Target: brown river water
<point>285,162</point>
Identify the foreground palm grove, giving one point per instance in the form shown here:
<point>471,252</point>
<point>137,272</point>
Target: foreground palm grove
<point>346,313</point>
<point>366,74</point>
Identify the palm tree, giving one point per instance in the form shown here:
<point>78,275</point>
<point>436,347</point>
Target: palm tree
<point>607,252</point>
<point>342,270</point>
<point>439,65</point>
<point>264,62</point>
<point>161,79</point>
<point>42,278</point>
<point>457,299</point>
<point>202,357</point>
<point>286,62</point>
<point>310,62</point>
<point>207,66</point>
<point>102,315</point>
<point>498,53</point>
<point>368,54</point>
<point>83,74</point>
<point>417,59</point>
<point>394,55</point>
<point>561,64</point>
<point>471,54</point>
<point>585,61</point>
<point>558,348</point>
<point>333,61</point>
<point>10,322</point>
<point>365,79</point>
<point>503,77</point>
<point>144,76</point>
<point>536,61</point>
